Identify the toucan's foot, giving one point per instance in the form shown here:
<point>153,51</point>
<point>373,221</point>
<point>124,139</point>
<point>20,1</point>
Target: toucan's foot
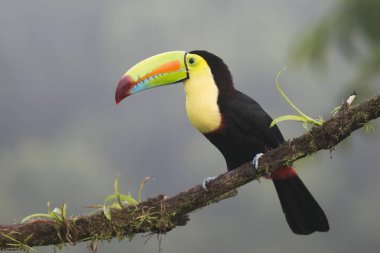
<point>205,182</point>
<point>256,160</point>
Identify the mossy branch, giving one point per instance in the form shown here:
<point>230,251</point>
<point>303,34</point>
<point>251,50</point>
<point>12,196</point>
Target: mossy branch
<point>162,213</point>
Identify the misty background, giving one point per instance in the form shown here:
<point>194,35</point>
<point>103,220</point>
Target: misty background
<point>63,139</point>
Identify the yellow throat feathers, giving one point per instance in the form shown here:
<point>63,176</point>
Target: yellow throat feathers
<point>201,100</point>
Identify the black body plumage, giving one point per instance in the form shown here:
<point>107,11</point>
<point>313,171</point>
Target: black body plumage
<point>245,132</point>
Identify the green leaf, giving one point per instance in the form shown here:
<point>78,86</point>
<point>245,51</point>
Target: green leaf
<point>107,212</point>
<point>64,212</point>
<point>117,185</point>
<point>129,199</point>
<point>110,198</point>
<point>117,193</point>
<point>56,214</point>
<point>57,210</point>
<point>36,215</point>
<point>287,117</point>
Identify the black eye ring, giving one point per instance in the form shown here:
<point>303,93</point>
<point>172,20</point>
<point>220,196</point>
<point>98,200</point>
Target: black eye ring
<point>191,60</point>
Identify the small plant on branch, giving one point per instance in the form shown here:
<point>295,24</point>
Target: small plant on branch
<point>117,200</point>
<point>57,214</point>
<point>302,117</point>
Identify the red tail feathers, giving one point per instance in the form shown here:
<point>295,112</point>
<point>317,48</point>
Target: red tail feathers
<point>283,173</point>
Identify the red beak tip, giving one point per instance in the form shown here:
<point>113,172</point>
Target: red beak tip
<point>123,87</point>
<point>117,99</point>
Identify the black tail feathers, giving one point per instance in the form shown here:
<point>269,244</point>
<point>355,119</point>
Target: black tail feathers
<point>302,212</point>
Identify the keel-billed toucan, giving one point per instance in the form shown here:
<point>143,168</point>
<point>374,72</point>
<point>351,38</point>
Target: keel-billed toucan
<point>235,123</point>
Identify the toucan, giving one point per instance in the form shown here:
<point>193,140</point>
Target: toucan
<point>232,121</point>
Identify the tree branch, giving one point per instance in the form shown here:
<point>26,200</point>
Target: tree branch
<point>161,214</point>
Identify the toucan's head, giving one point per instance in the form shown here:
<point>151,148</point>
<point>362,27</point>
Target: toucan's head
<point>173,67</point>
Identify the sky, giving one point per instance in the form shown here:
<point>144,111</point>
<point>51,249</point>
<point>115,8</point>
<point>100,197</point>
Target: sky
<point>63,139</point>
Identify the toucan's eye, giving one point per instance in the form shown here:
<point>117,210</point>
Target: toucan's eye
<point>191,60</point>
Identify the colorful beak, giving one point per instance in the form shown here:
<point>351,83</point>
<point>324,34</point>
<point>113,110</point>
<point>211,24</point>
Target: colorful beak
<point>162,69</point>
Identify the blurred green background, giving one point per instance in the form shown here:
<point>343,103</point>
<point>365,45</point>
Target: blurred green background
<point>62,139</point>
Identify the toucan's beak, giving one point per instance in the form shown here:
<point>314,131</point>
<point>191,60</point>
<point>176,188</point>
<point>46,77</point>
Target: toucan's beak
<point>162,69</point>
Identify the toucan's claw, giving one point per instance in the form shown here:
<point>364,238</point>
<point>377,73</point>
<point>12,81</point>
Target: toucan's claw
<point>256,160</point>
<point>205,182</point>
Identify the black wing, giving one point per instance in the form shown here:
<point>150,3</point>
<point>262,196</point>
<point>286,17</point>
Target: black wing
<point>248,116</point>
